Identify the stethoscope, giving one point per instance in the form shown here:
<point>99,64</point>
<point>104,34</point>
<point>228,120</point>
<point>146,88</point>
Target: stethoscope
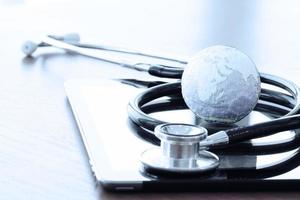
<point>238,161</point>
<point>184,147</point>
<point>172,136</point>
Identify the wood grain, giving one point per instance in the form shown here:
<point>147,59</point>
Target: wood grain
<point>41,152</point>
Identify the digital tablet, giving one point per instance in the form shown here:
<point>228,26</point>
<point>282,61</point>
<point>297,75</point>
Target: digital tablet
<point>114,145</point>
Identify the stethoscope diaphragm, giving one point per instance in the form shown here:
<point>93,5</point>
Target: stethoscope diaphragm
<point>179,150</point>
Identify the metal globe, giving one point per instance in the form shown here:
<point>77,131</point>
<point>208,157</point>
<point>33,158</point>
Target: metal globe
<point>221,85</point>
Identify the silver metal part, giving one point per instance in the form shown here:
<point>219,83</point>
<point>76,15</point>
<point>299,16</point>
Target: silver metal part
<point>204,161</point>
<point>74,39</point>
<point>87,50</point>
<point>216,139</point>
<point>179,150</point>
<point>93,54</point>
<point>142,67</point>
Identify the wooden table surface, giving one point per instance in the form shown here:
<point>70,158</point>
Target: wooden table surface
<point>41,152</point>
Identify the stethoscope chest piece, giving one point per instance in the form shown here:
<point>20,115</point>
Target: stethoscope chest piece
<point>179,150</point>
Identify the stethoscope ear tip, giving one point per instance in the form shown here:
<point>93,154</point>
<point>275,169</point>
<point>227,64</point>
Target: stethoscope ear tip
<point>29,47</point>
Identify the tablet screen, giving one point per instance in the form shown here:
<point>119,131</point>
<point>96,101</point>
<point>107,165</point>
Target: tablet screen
<point>100,109</point>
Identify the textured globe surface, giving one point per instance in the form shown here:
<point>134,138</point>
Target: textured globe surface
<point>221,84</point>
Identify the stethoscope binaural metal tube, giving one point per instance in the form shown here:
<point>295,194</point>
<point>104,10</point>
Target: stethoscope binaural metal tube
<point>82,51</point>
<point>153,69</point>
<point>74,39</point>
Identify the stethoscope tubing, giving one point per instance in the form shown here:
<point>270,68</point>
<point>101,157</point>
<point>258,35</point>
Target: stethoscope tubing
<point>291,120</point>
<point>157,70</point>
<point>168,89</point>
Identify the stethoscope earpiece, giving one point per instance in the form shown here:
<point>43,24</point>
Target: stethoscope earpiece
<point>29,46</point>
<point>179,150</point>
